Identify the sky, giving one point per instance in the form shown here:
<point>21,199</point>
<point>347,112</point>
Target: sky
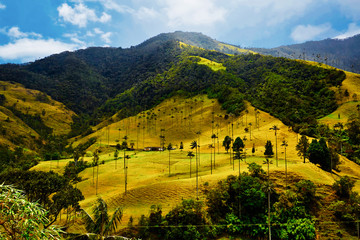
<point>31,30</point>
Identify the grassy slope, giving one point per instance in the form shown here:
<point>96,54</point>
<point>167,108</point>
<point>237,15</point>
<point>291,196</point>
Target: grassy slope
<point>57,116</point>
<point>148,180</point>
<point>211,64</point>
<point>347,104</point>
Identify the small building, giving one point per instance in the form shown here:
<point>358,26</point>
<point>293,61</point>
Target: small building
<point>153,149</point>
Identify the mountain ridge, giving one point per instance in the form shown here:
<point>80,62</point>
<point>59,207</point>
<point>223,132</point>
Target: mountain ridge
<point>340,53</point>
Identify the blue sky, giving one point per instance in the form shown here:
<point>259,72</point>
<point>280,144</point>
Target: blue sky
<point>31,30</point>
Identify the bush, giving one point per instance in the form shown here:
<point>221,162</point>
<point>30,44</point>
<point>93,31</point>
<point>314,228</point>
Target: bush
<point>305,190</point>
<point>344,186</point>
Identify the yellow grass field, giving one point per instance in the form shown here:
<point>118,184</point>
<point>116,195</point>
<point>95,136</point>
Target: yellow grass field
<point>185,120</point>
<point>54,114</point>
<point>211,64</point>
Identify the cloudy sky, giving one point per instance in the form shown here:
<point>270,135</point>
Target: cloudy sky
<point>30,30</point>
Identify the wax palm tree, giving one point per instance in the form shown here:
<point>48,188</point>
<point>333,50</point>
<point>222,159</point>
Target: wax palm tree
<point>190,155</point>
<point>169,148</point>
<point>101,224</point>
<point>268,187</point>
<point>195,145</point>
<point>275,128</point>
<point>211,147</point>
<point>214,137</point>
<point>285,144</point>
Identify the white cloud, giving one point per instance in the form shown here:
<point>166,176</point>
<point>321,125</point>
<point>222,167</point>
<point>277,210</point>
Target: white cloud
<point>31,49</point>
<point>2,6</point>
<point>106,37</point>
<point>194,13</point>
<point>80,15</point>
<point>302,33</point>
<point>15,32</point>
<point>352,30</point>
<point>98,31</point>
<point>146,13</point>
<point>350,8</point>
<point>104,18</point>
<point>113,5</point>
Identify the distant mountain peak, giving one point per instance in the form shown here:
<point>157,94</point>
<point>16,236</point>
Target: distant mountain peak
<point>340,53</point>
<point>197,39</point>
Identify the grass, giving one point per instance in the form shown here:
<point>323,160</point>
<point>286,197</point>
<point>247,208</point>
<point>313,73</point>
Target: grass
<point>224,46</point>
<point>148,180</point>
<point>348,105</point>
<point>53,114</point>
<point>211,64</point>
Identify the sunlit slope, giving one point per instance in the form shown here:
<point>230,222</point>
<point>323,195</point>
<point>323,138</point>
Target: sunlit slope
<point>348,96</point>
<point>13,130</point>
<point>148,173</point>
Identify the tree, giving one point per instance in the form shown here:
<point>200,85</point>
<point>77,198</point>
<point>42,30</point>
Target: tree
<point>344,186</point>
<point>21,219</point>
<point>169,148</point>
<point>285,144</point>
<point>268,149</point>
<point>226,143</point>
<point>213,136</point>
<point>95,163</point>
<point>190,155</point>
<point>268,188</point>
<point>320,154</point>
<point>195,145</point>
<point>181,146</point>
<point>116,155</point>
<point>275,128</point>
<point>188,221</point>
<point>238,146</point>
<point>101,223</point>
<point>302,147</point>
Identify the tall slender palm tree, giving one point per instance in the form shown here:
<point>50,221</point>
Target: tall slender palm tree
<point>268,188</point>
<point>285,144</point>
<point>169,148</point>
<point>195,145</point>
<point>211,147</point>
<point>275,128</point>
<point>190,155</point>
<point>101,224</point>
<point>198,133</point>
<point>95,163</point>
<point>214,137</point>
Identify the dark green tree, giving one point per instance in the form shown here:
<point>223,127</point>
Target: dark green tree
<point>238,144</point>
<point>181,146</point>
<point>344,186</point>
<point>227,143</point>
<point>268,149</point>
<point>320,154</point>
<point>302,147</point>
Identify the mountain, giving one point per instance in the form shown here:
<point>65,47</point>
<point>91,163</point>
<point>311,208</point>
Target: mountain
<point>97,83</point>
<point>339,53</point>
<point>198,40</point>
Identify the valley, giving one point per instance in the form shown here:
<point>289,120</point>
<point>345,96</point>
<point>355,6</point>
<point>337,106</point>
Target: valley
<point>83,135</point>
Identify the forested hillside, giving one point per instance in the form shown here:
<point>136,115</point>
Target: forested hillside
<point>340,53</point>
<point>99,82</point>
